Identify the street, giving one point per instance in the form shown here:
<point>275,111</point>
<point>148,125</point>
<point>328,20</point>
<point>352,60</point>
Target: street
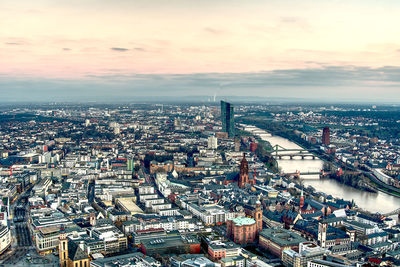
<point>21,239</point>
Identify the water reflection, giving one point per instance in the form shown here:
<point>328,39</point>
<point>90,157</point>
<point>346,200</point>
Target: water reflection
<point>374,202</point>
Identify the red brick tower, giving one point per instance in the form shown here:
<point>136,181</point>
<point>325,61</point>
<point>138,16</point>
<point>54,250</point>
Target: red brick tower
<point>244,172</point>
<point>326,139</point>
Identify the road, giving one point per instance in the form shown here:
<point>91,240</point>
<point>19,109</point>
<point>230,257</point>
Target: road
<point>21,237</point>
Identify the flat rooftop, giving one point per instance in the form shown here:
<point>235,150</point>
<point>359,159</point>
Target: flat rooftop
<point>282,237</point>
<point>169,241</point>
<point>129,205</point>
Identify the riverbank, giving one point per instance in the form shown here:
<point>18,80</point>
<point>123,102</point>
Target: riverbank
<point>374,202</point>
<point>351,177</point>
<point>355,179</point>
<point>286,165</point>
<point>383,188</point>
<point>262,151</point>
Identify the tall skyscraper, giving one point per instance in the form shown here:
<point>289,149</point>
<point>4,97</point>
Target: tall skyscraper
<point>326,139</point>
<point>228,124</point>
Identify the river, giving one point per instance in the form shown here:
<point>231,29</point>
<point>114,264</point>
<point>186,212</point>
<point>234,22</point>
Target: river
<point>373,202</point>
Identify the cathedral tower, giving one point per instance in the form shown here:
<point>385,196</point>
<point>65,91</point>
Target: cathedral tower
<point>244,172</point>
<point>63,248</point>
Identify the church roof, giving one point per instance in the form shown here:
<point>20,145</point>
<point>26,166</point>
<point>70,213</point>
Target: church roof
<point>75,253</point>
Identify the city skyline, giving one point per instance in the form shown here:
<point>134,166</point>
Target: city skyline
<point>97,50</point>
<point>214,133</point>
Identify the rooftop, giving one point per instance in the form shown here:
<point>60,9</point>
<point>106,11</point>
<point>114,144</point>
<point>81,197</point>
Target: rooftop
<point>239,221</point>
<point>282,237</point>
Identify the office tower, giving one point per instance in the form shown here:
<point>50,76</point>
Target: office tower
<point>91,194</point>
<point>178,124</point>
<point>326,140</point>
<point>227,115</point>
<point>253,146</point>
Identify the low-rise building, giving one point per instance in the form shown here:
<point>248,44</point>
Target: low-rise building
<point>218,249</point>
<point>276,240</point>
<point>47,239</point>
<point>131,259</point>
<point>114,240</point>
<point>5,238</point>
<point>307,251</point>
<point>180,244</point>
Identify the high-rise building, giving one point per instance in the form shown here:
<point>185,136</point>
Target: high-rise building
<point>91,191</point>
<point>326,139</point>
<point>253,146</point>
<point>228,124</point>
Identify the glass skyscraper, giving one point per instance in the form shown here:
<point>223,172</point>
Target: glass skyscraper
<point>228,124</point>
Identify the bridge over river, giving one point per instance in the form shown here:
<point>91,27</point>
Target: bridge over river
<point>299,174</point>
<point>279,152</point>
<point>373,202</point>
<point>393,212</point>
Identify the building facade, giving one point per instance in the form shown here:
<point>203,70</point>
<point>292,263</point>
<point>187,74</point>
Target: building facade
<point>276,240</point>
<point>5,238</point>
<point>242,230</point>
<point>227,115</point>
<point>326,139</point>
<point>244,172</point>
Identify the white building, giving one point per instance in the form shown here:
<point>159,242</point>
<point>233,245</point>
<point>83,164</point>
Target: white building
<point>212,142</point>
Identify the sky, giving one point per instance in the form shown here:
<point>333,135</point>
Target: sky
<point>101,49</point>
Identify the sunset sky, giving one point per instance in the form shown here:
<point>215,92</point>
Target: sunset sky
<point>319,49</point>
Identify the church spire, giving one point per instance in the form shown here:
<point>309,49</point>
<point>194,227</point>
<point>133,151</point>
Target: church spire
<point>244,172</point>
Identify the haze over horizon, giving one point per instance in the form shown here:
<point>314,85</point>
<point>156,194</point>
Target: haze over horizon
<point>109,50</point>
